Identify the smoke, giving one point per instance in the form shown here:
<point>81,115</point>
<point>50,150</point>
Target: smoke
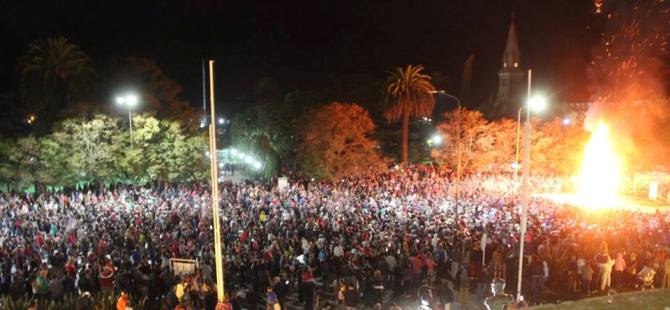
<point>629,71</point>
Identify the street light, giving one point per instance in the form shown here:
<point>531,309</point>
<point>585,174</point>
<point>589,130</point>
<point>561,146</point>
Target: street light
<point>436,139</point>
<point>458,137</point>
<point>219,120</point>
<point>130,101</point>
<point>537,104</point>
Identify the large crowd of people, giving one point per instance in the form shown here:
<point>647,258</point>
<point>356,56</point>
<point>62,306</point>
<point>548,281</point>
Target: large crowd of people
<point>370,242</point>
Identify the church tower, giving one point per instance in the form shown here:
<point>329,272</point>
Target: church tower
<point>510,77</point>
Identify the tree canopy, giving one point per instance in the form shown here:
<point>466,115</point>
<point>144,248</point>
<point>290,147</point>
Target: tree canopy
<point>54,73</point>
<point>97,151</point>
<point>490,146</point>
<point>337,143</point>
<point>409,93</point>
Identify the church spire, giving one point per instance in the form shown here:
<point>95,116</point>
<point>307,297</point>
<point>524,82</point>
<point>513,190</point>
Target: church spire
<point>510,77</point>
<point>512,56</point>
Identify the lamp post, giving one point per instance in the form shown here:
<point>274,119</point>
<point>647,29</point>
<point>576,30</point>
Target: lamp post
<point>536,103</point>
<point>458,152</point>
<point>130,101</point>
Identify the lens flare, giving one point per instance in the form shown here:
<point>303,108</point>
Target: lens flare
<point>600,174</point>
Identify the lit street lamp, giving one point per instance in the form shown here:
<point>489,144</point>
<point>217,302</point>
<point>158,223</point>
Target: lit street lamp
<point>130,101</point>
<point>537,104</point>
<point>458,137</point>
<point>219,120</point>
<point>436,139</point>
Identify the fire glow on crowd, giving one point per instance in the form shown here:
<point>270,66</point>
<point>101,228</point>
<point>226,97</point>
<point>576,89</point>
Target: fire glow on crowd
<point>361,236</point>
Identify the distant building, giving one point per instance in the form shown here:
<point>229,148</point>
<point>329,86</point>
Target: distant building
<point>511,82</point>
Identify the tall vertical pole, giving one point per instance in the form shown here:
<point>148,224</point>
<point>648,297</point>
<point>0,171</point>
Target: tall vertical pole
<point>458,161</point>
<point>204,88</point>
<point>518,134</point>
<point>130,124</point>
<point>218,258</point>
<point>524,189</point>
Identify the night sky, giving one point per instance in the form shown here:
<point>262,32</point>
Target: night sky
<point>303,43</point>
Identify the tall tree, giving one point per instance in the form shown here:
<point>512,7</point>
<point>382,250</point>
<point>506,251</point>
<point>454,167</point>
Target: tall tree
<point>25,159</point>
<point>267,132</point>
<point>476,140</point>
<point>54,162</point>
<point>136,162</point>
<point>486,146</point>
<point>409,92</point>
<point>7,167</point>
<point>54,73</point>
<point>557,148</point>
<point>337,143</point>
<point>177,157</point>
<point>93,143</point>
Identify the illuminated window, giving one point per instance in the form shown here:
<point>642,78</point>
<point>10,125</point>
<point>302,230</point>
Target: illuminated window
<point>516,64</point>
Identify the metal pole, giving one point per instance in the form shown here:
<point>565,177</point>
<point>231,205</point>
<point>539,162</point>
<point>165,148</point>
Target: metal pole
<point>524,189</point>
<point>518,131</point>
<point>459,151</point>
<point>218,257</point>
<point>130,124</point>
<point>204,88</point>
<point>458,159</point>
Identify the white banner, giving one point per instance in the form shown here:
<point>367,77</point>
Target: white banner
<point>181,267</point>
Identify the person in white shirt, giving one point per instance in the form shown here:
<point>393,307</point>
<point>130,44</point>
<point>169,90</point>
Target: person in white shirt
<point>338,252</point>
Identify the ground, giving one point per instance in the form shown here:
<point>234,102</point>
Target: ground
<point>647,300</point>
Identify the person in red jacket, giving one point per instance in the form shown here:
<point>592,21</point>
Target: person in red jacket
<point>107,277</point>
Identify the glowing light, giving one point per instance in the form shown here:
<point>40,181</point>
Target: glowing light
<point>600,174</point>
<point>436,139</point>
<point>566,121</point>
<point>129,100</point>
<point>598,4</point>
<point>537,103</point>
<point>30,119</point>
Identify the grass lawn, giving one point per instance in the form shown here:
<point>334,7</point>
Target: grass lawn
<point>647,300</point>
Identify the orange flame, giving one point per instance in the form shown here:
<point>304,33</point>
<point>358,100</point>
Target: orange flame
<point>600,174</point>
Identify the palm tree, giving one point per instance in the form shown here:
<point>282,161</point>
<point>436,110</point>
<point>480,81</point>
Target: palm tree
<point>53,73</point>
<point>410,93</point>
